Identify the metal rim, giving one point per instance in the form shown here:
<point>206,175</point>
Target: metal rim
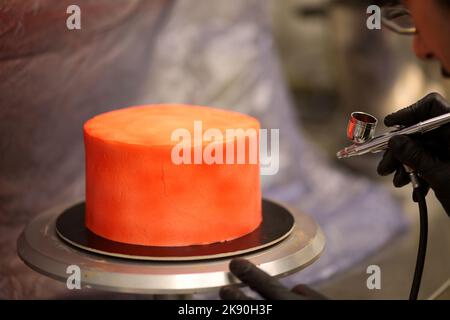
<point>42,250</point>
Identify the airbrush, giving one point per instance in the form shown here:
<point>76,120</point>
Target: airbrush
<point>361,130</point>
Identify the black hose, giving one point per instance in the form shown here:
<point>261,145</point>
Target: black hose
<point>421,252</point>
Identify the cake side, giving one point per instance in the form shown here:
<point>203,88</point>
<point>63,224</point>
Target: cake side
<point>135,193</point>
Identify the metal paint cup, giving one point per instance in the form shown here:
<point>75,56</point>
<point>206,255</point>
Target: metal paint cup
<point>361,127</point>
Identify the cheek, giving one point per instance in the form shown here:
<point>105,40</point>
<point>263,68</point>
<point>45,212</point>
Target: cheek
<point>432,28</point>
<point>437,36</point>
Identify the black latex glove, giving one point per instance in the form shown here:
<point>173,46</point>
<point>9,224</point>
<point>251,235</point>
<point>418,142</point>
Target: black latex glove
<point>268,287</point>
<point>428,154</point>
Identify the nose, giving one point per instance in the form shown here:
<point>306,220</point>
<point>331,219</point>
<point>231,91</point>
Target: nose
<point>421,50</point>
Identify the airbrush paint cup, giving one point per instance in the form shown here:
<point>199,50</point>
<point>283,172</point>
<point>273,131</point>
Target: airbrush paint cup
<point>361,127</point>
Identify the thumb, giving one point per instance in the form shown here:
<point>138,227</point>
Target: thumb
<point>411,153</point>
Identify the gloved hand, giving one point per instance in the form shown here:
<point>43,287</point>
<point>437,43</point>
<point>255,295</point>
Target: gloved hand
<point>428,154</point>
<point>267,286</point>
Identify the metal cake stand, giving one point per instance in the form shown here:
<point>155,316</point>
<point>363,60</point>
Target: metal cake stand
<point>43,250</point>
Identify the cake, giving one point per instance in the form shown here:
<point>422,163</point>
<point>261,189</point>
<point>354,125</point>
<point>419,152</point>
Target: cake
<point>145,185</point>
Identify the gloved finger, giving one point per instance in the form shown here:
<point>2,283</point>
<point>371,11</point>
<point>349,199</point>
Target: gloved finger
<point>430,106</point>
<point>409,152</point>
<point>401,177</point>
<point>232,293</point>
<point>388,164</point>
<point>307,292</point>
<point>267,286</point>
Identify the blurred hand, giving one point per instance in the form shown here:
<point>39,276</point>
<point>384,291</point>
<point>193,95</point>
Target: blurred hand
<point>428,154</point>
<point>267,286</point>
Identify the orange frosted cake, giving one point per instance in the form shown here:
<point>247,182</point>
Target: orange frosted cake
<point>147,183</point>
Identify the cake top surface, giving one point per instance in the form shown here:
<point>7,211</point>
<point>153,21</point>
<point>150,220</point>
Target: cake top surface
<point>153,125</point>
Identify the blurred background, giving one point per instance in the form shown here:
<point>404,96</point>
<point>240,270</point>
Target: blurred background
<point>300,66</point>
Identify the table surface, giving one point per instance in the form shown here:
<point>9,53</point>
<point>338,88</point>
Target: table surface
<point>42,250</point>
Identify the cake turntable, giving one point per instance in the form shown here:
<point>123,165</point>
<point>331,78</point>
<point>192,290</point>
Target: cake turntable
<point>57,239</point>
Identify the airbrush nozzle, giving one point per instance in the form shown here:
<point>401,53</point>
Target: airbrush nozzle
<point>341,154</point>
<point>347,152</point>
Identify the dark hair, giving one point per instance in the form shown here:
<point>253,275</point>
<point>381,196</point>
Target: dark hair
<point>444,3</point>
<point>387,2</point>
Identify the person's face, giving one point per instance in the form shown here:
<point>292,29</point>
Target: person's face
<point>432,20</point>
